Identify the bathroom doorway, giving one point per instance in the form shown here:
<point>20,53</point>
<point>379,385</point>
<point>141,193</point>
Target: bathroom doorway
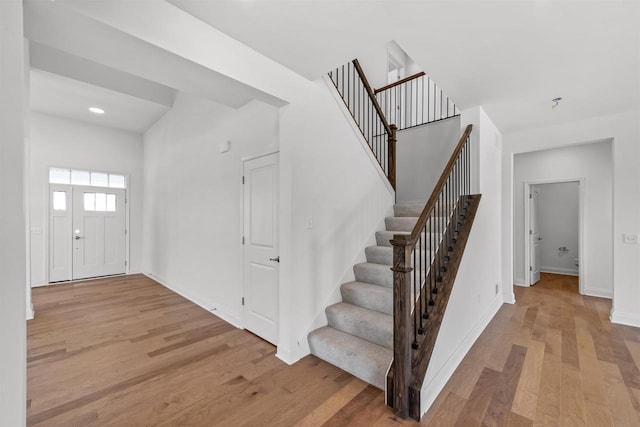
<point>554,231</point>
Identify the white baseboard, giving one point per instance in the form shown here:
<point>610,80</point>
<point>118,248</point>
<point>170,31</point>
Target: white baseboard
<point>30,313</point>
<point>216,311</point>
<point>628,319</point>
<point>288,355</point>
<point>509,297</point>
<point>602,293</point>
<point>429,392</point>
<point>554,270</point>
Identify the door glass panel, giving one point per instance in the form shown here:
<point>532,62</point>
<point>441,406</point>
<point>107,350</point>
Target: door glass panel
<point>59,176</point>
<point>89,201</point>
<point>59,201</point>
<point>116,181</point>
<point>101,202</point>
<point>80,178</point>
<point>111,202</point>
<point>99,179</point>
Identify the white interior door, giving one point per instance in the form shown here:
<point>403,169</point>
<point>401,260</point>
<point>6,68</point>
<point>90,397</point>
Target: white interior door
<point>260,249</point>
<point>534,237</point>
<point>60,213</point>
<point>99,228</point>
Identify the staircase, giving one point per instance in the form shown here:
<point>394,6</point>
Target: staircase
<point>359,334</point>
<point>384,330</point>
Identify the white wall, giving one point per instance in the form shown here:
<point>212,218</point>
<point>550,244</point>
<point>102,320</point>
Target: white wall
<point>593,163</point>
<point>193,197</point>
<point>13,257</point>
<point>624,129</point>
<point>477,294</point>
<point>558,223</point>
<point>327,174</point>
<point>421,154</point>
<point>76,145</point>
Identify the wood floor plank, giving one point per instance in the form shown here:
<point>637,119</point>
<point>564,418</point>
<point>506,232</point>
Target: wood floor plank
<point>596,411</point>
<point>499,407</point>
<point>127,351</point>
<point>354,409</point>
<point>474,410</point>
<point>618,400</point>
<point>525,400</point>
<point>571,400</point>
<point>446,411</point>
<point>332,405</point>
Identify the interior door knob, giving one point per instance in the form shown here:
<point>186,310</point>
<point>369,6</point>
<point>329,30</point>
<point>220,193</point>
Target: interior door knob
<point>79,237</point>
<point>276,259</point>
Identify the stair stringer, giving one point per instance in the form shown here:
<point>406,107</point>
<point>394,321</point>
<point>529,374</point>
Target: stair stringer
<point>422,356</point>
<point>456,338</point>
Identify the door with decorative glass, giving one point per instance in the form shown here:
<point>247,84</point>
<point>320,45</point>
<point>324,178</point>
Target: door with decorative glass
<point>98,232</point>
<point>87,224</point>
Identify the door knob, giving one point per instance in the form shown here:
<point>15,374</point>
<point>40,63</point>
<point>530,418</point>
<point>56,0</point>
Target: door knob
<point>79,237</point>
<point>276,259</point>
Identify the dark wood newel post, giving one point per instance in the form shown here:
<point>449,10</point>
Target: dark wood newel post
<point>401,323</point>
<point>392,155</point>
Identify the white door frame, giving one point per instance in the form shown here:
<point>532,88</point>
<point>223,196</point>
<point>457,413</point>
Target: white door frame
<point>47,216</point>
<point>581,234</point>
<point>243,160</point>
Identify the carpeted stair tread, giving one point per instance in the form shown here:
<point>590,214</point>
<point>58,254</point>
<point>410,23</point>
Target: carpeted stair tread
<point>400,223</point>
<point>383,238</point>
<point>367,324</point>
<point>366,295</point>
<point>359,336</point>
<point>376,274</point>
<point>395,223</point>
<point>408,209</point>
<point>382,255</point>
<point>379,254</point>
<point>361,358</point>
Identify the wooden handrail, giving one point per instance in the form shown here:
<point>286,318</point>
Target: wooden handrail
<point>372,95</point>
<point>424,216</point>
<point>399,82</point>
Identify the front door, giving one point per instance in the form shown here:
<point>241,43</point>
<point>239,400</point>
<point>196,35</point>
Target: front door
<point>534,237</point>
<point>99,228</point>
<point>260,249</point>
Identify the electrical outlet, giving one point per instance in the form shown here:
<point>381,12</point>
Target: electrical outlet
<point>631,239</point>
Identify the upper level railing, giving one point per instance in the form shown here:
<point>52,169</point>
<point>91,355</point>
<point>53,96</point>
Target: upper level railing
<point>352,84</point>
<point>414,101</point>
<point>424,265</point>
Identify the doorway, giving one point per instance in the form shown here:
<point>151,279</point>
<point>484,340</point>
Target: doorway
<point>554,229</point>
<point>260,246</point>
<point>87,225</point>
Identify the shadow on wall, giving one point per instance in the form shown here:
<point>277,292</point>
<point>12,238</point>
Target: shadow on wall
<point>422,154</point>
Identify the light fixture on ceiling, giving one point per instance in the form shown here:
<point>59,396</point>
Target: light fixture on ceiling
<point>96,110</point>
<point>555,102</point>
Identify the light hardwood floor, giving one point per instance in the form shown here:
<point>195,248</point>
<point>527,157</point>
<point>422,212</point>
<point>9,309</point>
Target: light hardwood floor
<point>128,352</point>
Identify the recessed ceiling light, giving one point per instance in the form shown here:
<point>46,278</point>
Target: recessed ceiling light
<point>96,110</point>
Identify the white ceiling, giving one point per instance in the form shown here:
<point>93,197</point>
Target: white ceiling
<point>511,57</point>
<point>64,97</point>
